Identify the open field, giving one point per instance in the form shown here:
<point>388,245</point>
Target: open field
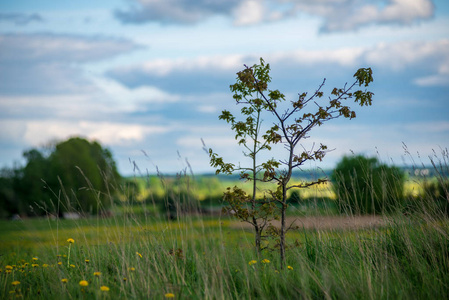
<point>213,258</point>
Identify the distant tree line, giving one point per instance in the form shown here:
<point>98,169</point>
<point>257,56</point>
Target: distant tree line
<point>75,175</point>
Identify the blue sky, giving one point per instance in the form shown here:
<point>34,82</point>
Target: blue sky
<point>152,76</point>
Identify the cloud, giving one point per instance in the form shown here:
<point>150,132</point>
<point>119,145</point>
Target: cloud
<point>344,15</point>
<point>37,132</point>
<point>174,11</point>
<point>247,12</point>
<point>207,74</point>
<point>201,74</point>
<point>50,63</point>
<point>47,47</point>
<point>338,15</point>
<point>417,58</point>
<point>20,19</point>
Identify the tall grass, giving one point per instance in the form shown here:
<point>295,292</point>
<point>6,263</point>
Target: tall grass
<point>189,256</point>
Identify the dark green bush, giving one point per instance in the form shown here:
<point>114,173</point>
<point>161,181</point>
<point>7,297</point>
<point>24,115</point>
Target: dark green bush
<point>365,186</point>
<point>435,197</point>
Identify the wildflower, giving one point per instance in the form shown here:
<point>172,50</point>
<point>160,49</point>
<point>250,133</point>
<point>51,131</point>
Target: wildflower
<point>139,254</point>
<point>265,261</point>
<point>8,267</point>
<point>14,283</point>
<point>35,265</point>
<point>169,295</point>
<point>97,274</point>
<point>252,262</point>
<point>87,261</point>
<point>84,283</point>
<point>8,271</point>
<point>132,269</point>
<point>125,279</point>
<point>35,259</point>
<point>64,280</point>
<point>104,288</point>
<point>72,266</point>
<point>59,263</point>
<point>290,267</point>
<point>71,241</point>
<point>44,265</point>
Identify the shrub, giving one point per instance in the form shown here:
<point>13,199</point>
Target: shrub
<point>435,197</point>
<point>364,186</point>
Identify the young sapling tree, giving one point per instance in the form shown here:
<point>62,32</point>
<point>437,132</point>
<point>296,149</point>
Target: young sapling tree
<point>292,125</point>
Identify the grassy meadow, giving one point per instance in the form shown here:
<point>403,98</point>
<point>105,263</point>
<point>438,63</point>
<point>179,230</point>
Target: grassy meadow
<point>139,253</point>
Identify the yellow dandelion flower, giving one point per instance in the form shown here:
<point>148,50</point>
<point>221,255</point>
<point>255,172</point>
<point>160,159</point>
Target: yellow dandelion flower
<point>290,267</point>
<point>8,267</point>
<point>265,261</point>
<point>72,266</point>
<point>97,274</point>
<point>35,258</point>
<point>8,271</point>
<point>14,283</point>
<point>124,279</point>
<point>104,288</point>
<point>169,295</point>
<point>252,262</point>
<point>87,261</point>
<point>45,265</point>
<point>131,269</point>
<point>59,263</point>
<point>35,265</point>
<point>64,280</point>
<point>84,283</point>
<point>70,241</point>
<point>140,255</point>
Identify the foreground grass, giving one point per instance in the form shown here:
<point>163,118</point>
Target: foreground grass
<point>204,258</point>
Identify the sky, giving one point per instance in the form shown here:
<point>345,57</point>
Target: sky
<point>149,78</point>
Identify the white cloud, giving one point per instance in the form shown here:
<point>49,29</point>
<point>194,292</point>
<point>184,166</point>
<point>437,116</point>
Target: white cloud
<point>343,15</point>
<point>45,47</point>
<point>208,109</point>
<point>404,53</point>
<point>207,73</point>
<point>338,15</point>
<point>434,80</point>
<point>50,63</point>
<point>109,133</point>
<point>249,12</point>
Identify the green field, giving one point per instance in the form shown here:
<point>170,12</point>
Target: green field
<point>138,252</point>
<point>210,258</point>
